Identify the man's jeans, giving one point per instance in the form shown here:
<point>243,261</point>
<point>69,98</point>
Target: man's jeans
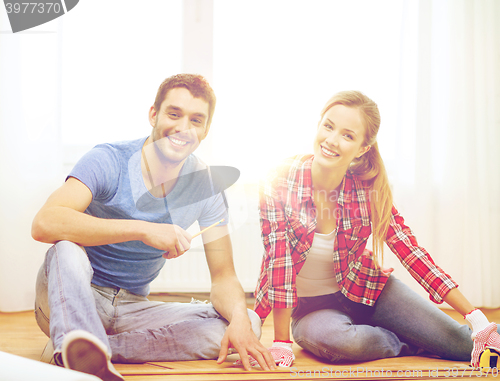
<point>401,323</point>
<point>135,329</point>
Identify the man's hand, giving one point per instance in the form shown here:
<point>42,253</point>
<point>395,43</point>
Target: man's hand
<point>243,339</point>
<point>172,239</point>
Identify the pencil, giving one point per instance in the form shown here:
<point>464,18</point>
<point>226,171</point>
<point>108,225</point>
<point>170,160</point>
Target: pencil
<point>210,227</point>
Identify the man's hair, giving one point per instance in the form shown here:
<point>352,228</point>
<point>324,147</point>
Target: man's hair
<point>197,85</point>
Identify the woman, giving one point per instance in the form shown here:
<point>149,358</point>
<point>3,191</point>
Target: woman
<point>317,213</point>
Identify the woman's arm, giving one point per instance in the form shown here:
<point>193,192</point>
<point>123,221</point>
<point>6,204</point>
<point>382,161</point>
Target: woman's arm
<point>275,288</point>
<point>458,302</point>
<point>277,275</point>
<point>484,333</point>
<point>417,260</point>
<point>281,317</point>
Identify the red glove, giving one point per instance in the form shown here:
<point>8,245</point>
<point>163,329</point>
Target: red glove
<point>281,352</point>
<point>484,335</point>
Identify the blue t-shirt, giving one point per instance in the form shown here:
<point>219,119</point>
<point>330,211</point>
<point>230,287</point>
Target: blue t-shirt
<point>113,174</point>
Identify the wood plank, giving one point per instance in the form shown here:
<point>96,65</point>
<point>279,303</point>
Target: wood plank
<point>399,368</point>
<point>19,334</point>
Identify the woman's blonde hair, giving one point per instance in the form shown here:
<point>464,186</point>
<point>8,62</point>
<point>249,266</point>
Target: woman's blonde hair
<point>370,166</point>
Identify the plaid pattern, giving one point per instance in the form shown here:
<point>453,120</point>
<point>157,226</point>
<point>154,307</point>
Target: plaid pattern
<point>288,223</point>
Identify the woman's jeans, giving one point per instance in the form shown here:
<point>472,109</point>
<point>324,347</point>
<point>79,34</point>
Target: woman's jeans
<point>401,323</point>
<point>135,329</point>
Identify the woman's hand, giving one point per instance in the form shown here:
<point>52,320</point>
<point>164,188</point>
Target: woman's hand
<point>387,270</point>
<point>486,338</point>
<point>282,355</point>
<point>484,335</point>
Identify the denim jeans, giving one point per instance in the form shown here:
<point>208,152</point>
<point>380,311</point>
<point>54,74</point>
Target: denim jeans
<point>401,323</point>
<point>135,329</point>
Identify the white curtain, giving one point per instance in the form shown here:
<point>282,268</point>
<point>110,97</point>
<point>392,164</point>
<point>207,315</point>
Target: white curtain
<point>85,78</point>
<point>30,159</point>
<point>448,176</point>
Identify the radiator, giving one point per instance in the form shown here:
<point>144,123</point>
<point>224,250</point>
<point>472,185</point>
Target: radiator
<point>189,272</point>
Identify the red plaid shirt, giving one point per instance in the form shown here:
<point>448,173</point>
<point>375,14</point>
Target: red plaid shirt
<point>288,223</point>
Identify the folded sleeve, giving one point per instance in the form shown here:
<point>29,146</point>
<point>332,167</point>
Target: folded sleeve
<point>417,260</point>
<point>99,170</point>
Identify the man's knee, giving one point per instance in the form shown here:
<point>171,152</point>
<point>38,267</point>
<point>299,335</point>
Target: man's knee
<point>66,257</point>
<point>69,250</point>
<point>68,246</point>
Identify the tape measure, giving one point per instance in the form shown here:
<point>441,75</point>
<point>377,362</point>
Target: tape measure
<point>489,358</point>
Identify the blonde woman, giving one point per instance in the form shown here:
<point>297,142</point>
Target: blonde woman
<point>317,213</point>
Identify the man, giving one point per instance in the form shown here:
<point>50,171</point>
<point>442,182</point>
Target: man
<point>123,209</point>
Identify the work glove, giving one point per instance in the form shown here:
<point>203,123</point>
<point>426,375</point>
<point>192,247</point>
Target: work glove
<point>484,335</point>
<point>282,354</point>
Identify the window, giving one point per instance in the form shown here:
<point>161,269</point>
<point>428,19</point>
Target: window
<point>276,63</point>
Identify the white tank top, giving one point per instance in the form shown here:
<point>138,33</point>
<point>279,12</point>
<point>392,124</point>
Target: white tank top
<point>317,275</point>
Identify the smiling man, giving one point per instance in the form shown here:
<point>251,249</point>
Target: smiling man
<point>123,210</point>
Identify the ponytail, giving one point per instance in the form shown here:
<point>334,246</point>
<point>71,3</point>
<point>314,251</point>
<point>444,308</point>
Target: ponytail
<point>370,167</point>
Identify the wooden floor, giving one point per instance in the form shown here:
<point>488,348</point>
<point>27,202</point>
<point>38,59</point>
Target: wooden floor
<point>20,335</point>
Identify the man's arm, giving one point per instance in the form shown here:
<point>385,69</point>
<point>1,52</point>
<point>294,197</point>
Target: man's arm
<point>62,219</point>
<point>228,299</point>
